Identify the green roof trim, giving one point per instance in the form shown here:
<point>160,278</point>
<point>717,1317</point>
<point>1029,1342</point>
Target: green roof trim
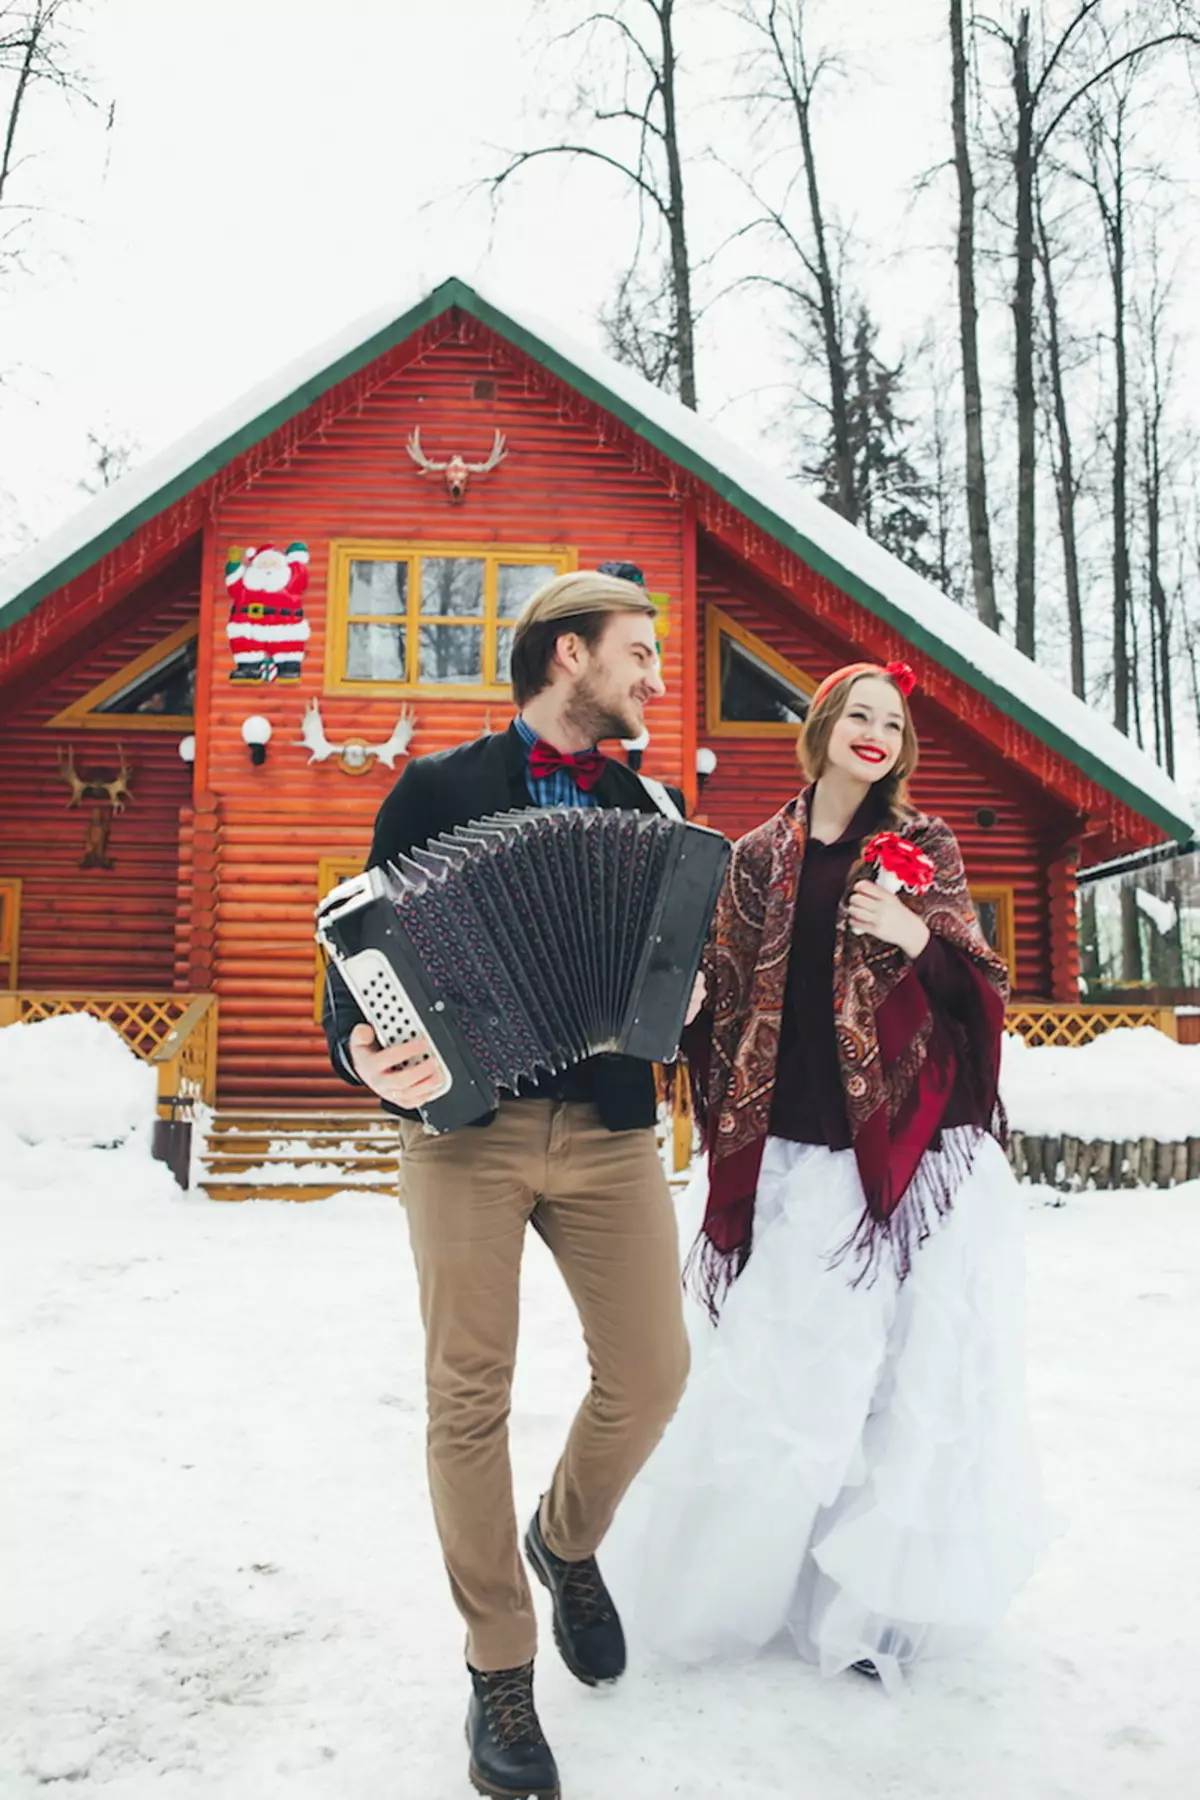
<point>456,293</point>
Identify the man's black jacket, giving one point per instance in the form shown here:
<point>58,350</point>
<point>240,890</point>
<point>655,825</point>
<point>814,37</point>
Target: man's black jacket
<point>436,793</point>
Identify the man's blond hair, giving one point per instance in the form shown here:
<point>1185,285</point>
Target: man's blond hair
<point>581,602</point>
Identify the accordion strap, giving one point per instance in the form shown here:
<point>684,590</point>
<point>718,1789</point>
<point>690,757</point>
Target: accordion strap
<point>660,797</point>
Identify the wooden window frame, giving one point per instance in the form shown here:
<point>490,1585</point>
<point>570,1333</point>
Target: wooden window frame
<point>10,930</point>
<point>344,551</point>
<point>1001,895</point>
<point>81,715</point>
<point>719,624</point>
<point>337,866</point>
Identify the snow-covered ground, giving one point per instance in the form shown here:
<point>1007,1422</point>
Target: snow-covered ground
<point>220,1576</point>
<point>1124,1084</point>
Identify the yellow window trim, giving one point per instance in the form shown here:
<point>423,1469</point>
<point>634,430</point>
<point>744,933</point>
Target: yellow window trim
<point>82,715</point>
<point>10,929</point>
<point>1002,896</point>
<point>719,624</point>
<point>344,551</point>
<point>330,871</point>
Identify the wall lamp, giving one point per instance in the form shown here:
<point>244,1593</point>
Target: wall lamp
<point>706,764</point>
<point>256,733</point>
<point>187,748</point>
<point>635,749</point>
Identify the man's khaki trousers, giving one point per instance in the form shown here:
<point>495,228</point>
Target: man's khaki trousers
<point>601,1202</point>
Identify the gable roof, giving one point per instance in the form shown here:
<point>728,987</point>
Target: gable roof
<point>869,574</point>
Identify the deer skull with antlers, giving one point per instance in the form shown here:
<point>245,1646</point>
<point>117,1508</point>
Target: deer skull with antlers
<point>89,784</point>
<point>354,755</point>
<point>456,470</point>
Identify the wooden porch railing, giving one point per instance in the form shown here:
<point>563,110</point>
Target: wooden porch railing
<point>1039,1022</point>
<point>175,1033</point>
<point>1043,1022</point>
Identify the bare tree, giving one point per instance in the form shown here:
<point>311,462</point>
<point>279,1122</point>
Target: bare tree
<point>1107,149</point>
<point>1165,453</point>
<point>641,123</point>
<point>110,457</point>
<point>35,54</point>
<point>787,76</point>
<point>979,529</point>
<point>1063,455</point>
<point>1048,81</point>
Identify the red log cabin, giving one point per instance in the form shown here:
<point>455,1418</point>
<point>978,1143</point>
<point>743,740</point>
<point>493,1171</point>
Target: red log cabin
<point>345,550</point>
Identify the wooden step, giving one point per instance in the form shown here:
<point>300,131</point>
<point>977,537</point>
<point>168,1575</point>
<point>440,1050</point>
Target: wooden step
<point>294,1190</point>
<point>301,1148</point>
<point>351,1166</point>
<point>260,1155</point>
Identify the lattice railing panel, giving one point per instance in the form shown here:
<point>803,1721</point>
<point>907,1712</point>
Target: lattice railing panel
<point>1068,1026</point>
<point>143,1020</point>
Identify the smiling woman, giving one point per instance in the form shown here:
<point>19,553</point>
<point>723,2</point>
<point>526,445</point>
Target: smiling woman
<point>860,1242</point>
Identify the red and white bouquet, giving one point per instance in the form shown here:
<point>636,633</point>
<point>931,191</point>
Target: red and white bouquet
<point>898,863</point>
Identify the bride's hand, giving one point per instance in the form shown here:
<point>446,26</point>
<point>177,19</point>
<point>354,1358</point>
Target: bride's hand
<point>884,916</point>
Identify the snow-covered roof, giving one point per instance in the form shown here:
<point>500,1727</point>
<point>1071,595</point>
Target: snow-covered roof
<point>952,636</point>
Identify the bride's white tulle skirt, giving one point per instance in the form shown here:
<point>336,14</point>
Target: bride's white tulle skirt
<point>850,1465</point>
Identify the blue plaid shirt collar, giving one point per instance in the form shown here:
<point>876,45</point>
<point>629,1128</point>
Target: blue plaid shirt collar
<point>552,790</point>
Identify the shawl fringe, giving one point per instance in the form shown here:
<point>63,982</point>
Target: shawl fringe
<point>928,1198</point>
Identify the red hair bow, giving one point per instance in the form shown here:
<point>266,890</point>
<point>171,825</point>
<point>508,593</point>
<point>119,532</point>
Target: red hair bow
<point>903,676</point>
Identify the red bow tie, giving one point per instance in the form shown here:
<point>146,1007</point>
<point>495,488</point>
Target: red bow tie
<point>585,767</point>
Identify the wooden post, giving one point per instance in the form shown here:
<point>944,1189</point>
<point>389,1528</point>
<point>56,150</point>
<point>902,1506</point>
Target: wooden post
<point>1064,931</point>
<point>10,1009</point>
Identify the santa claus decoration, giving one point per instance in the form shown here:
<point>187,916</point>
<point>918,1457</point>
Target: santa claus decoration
<point>267,629</point>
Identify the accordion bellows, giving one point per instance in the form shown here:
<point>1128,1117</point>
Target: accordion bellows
<point>523,943</point>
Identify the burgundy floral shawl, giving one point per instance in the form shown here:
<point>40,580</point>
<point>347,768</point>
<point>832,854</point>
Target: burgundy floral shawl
<point>899,1062</point>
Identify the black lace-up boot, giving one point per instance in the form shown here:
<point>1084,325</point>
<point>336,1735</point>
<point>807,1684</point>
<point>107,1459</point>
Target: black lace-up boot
<point>586,1627</point>
<point>510,1759</point>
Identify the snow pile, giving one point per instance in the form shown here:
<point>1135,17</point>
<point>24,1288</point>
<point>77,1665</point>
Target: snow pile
<point>73,1080</point>
<point>221,1579</point>
<point>1125,1084</point>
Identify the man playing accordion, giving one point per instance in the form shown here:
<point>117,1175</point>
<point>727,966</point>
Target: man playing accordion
<point>576,1157</point>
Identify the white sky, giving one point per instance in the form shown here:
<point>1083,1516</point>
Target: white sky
<point>277,167</point>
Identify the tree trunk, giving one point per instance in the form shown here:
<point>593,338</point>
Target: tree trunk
<point>24,77</point>
<point>1026,392</point>
<point>1064,468</point>
<point>968,325</point>
<point>793,66</point>
<point>1160,611</point>
<point>1121,579</point>
<point>681,272</point>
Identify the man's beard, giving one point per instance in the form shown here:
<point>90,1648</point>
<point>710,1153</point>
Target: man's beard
<point>595,718</point>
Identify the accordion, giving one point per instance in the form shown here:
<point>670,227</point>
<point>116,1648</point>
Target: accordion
<point>525,942</point>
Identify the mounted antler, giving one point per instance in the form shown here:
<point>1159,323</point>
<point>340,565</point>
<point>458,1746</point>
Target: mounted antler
<point>456,470</point>
<point>69,773</point>
<point>496,454</point>
<point>419,457</point>
<point>91,785</point>
<point>397,744</point>
<point>118,788</point>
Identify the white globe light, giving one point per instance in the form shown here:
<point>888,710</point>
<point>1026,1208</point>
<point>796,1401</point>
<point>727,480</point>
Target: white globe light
<point>187,748</point>
<point>637,743</point>
<point>256,729</point>
<point>706,760</point>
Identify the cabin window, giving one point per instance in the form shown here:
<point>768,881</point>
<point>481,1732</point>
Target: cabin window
<point>995,909</point>
<point>752,691</point>
<point>433,617</point>
<point>330,871</point>
<point>10,929</point>
<point>156,691</point>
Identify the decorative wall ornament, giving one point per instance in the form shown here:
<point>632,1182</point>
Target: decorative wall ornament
<point>456,470</point>
<point>267,630</point>
<point>355,755</point>
<point>112,791</point>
